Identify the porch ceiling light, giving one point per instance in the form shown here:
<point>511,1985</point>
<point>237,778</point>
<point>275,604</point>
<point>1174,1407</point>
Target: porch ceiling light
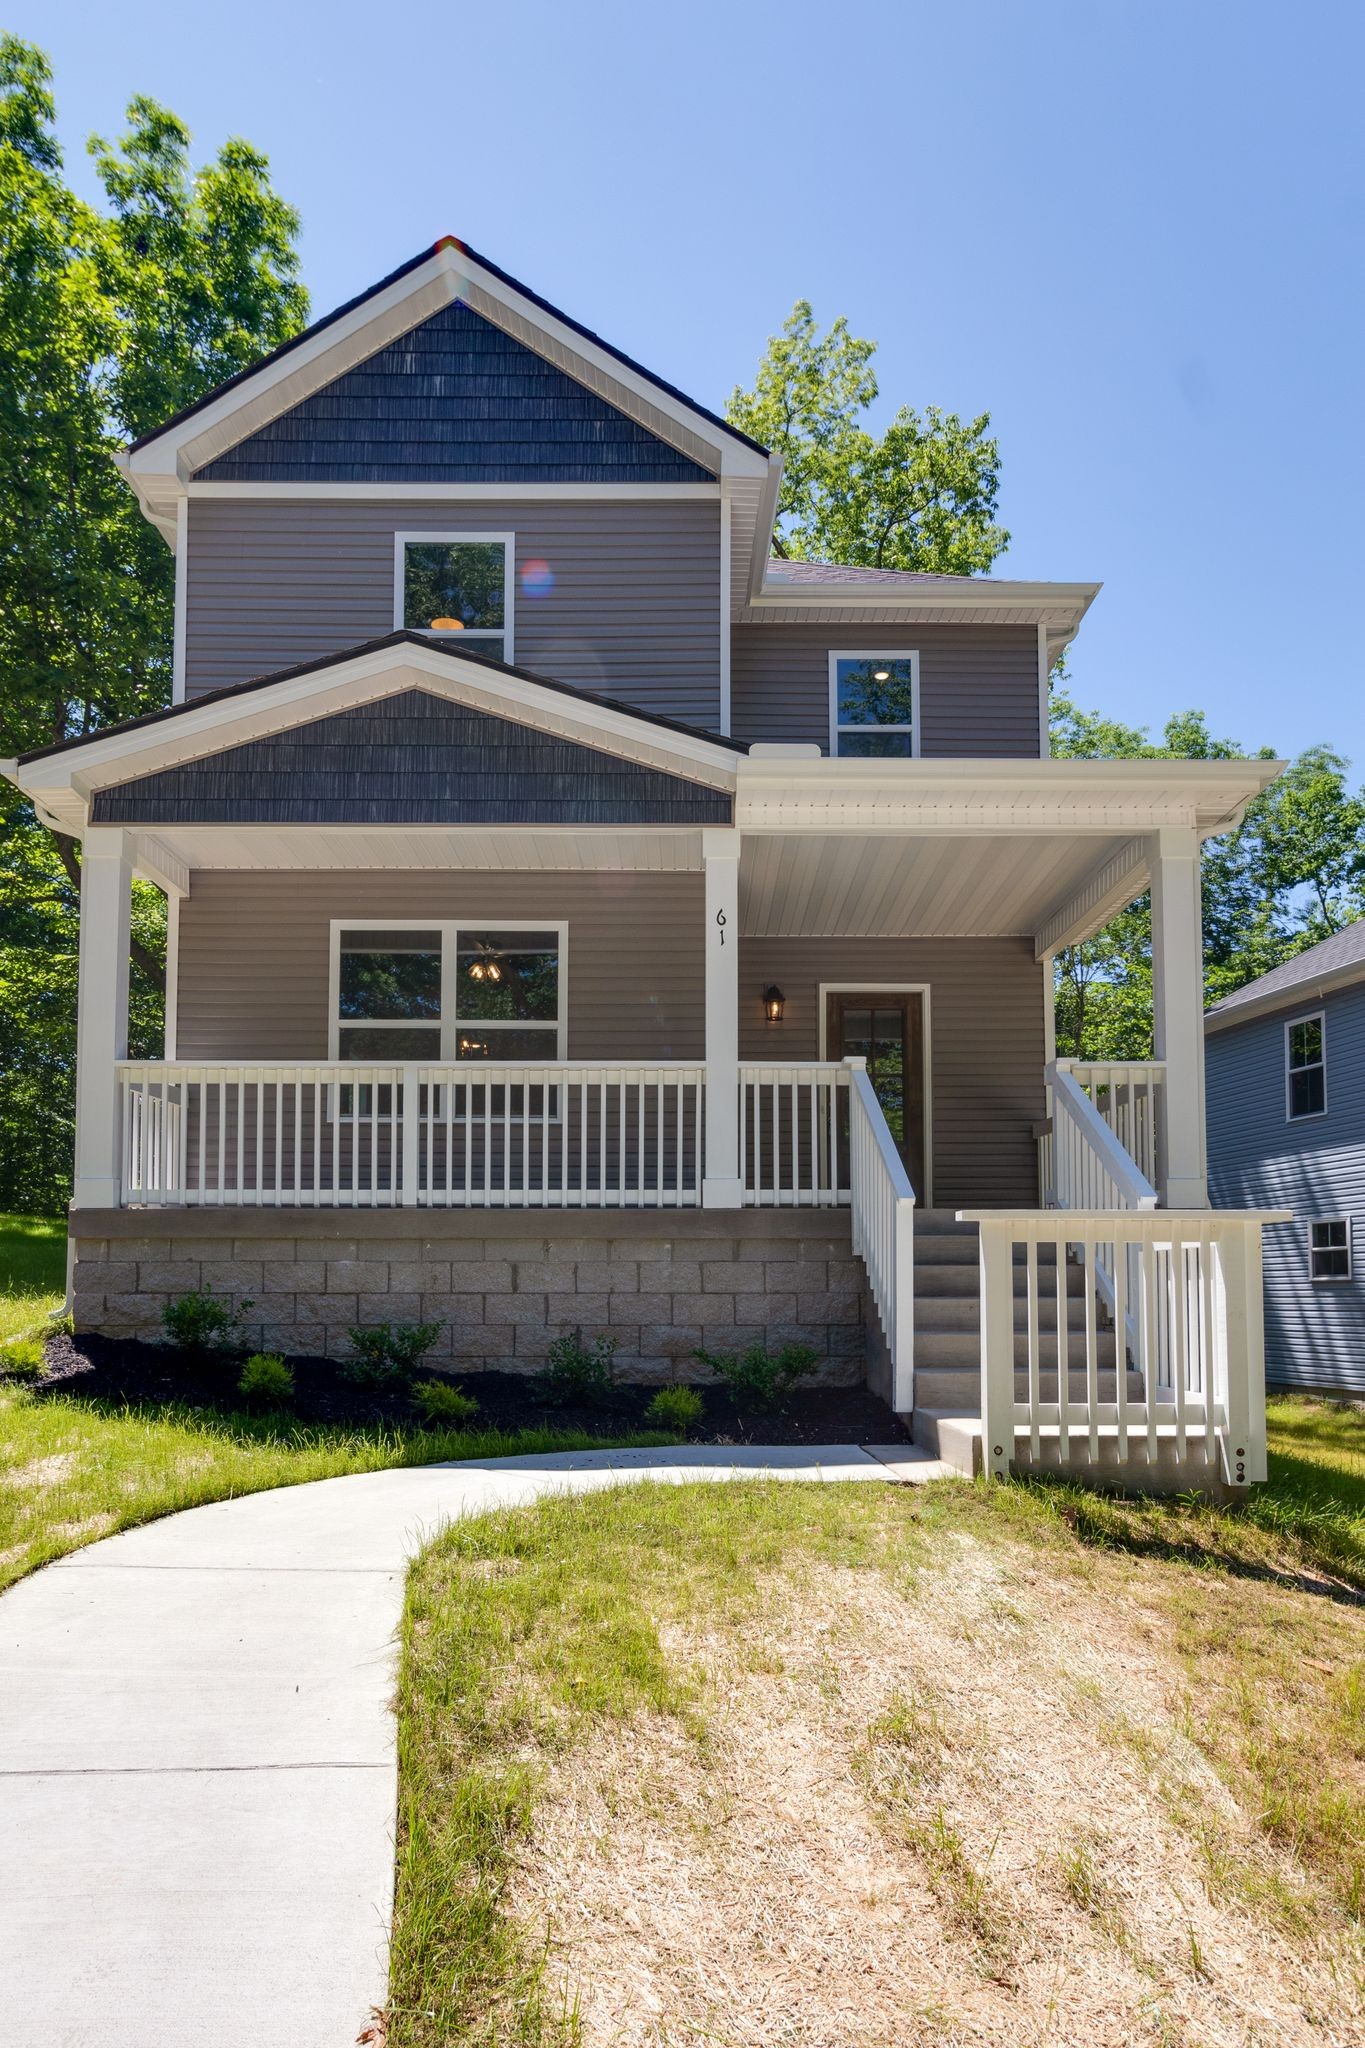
<point>773,1001</point>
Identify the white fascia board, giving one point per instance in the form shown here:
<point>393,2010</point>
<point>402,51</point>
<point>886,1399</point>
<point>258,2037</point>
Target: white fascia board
<point>963,794</point>
<point>54,779</point>
<point>966,594</point>
<point>764,522</point>
<point>1111,888</point>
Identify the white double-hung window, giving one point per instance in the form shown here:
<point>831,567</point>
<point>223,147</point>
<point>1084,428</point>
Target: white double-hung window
<point>457,586</point>
<point>429,993</point>
<point>1305,1061</point>
<point>874,705</point>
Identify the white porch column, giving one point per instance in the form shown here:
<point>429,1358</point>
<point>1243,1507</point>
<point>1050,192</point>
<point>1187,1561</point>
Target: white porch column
<point>1178,1011</point>
<point>721,1186</point>
<point>101,1012</point>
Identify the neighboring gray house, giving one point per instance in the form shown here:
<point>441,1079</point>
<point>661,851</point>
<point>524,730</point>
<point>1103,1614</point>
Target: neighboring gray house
<point>1286,1110</point>
<point>581,919</point>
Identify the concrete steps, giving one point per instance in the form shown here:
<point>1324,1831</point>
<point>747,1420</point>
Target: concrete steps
<point>948,1337</point>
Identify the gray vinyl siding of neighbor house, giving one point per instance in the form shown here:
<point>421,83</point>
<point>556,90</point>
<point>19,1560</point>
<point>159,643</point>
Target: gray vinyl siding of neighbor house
<point>634,609</point>
<point>986,1043</point>
<point>1314,1166</point>
<point>978,684</point>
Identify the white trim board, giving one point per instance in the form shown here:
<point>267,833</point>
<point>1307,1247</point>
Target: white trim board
<point>922,989</point>
<point>455,494</point>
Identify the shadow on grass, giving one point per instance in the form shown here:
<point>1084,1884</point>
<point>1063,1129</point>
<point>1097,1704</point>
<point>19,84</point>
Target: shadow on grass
<point>1294,1532</point>
<point>398,1442</point>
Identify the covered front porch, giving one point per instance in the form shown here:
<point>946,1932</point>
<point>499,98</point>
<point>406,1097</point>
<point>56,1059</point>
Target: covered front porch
<point>711,947</point>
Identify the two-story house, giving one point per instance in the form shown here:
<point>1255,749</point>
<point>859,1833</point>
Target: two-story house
<point>1286,1088</point>
<point>581,919</point>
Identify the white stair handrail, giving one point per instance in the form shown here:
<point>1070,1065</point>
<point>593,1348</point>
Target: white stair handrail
<point>1091,1168</point>
<point>883,1220</point>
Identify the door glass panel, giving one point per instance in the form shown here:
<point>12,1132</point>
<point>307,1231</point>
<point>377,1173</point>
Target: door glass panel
<point>856,1035</point>
<point>886,1068</point>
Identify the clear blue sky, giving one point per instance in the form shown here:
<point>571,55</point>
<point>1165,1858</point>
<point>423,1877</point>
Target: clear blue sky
<point>1132,232</point>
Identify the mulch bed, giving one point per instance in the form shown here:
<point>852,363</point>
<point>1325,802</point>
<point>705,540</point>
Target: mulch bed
<point>116,1372</point>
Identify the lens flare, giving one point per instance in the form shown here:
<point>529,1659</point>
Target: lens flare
<point>537,579</point>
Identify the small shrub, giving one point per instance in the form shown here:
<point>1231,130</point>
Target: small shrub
<point>266,1381</point>
<point>757,1378</point>
<point>577,1375</point>
<point>678,1409</point>
<point>443,1405</point>
<point>201,1323</point>
<point>22,1359</point>
<point>388,1352</point>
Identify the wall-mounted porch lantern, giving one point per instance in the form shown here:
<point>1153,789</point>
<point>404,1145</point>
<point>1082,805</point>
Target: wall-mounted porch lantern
<point>773,1001</point>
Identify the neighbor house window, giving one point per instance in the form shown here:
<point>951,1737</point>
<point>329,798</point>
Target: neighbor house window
<point>874,705</point>
<point>1329,1248</point>
<point>441,992</point>
<point>458,586</point>
<point>1306,1071</point>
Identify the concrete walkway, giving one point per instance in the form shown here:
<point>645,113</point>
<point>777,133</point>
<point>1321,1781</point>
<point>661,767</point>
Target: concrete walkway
<point>197,1767</point>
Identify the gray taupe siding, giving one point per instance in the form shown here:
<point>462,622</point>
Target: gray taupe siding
<point>986,1043</point>
<point>454,400</point>
<point>634,610</point>
<point>254,954</point>
<point>412,758</point>
<point>978,684</point>
<point>1315,1167</point>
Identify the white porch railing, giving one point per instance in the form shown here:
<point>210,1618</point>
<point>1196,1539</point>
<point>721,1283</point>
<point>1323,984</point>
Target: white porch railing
<point>1187,1293</point>
<point>1091,1165</point>
<point>883,1219</point>
<point>1125,1095</point>
<point>793,1134</point>
<point>349,1135</point>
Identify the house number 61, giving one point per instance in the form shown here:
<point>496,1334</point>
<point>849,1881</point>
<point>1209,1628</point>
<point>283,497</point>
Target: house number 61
<point>721,921</point>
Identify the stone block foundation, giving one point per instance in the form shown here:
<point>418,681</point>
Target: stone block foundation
<point>503,1284</point>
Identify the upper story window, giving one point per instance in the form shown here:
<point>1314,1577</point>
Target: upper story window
<point>457,583</point>
<point>1305,1067</point>
<point>874,705</point>
<point>448,992</point>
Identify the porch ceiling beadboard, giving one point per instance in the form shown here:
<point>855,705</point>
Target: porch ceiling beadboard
<point>455,400</point>
<point>415,759</point>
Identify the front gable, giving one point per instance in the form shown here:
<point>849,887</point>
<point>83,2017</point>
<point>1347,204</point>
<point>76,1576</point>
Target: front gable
<point>411,758</point>
<point>454,400</point>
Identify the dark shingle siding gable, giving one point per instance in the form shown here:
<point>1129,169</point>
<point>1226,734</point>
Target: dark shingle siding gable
<point>455,400</point>
<point>412,759</point>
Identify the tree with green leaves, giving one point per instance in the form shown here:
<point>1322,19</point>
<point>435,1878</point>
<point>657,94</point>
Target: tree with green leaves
<point>110,321</point>
<point>922,495</point>
<point>1291,873</point>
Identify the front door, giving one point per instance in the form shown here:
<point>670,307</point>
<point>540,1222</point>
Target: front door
<point>886,1028</point>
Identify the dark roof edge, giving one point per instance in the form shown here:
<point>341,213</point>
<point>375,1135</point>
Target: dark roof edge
<point>404,637</point>
<point>415,262</point>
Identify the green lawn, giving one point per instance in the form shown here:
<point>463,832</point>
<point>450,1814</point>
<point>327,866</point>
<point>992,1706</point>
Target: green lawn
<point>32,1271</point>
<point>72,1471</point>
<point>956,1763</point>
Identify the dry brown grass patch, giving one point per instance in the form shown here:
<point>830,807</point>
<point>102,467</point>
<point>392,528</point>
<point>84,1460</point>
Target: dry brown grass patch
<point>921,1817</point>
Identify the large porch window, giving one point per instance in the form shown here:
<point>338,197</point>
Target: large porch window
<point>445,992</point>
